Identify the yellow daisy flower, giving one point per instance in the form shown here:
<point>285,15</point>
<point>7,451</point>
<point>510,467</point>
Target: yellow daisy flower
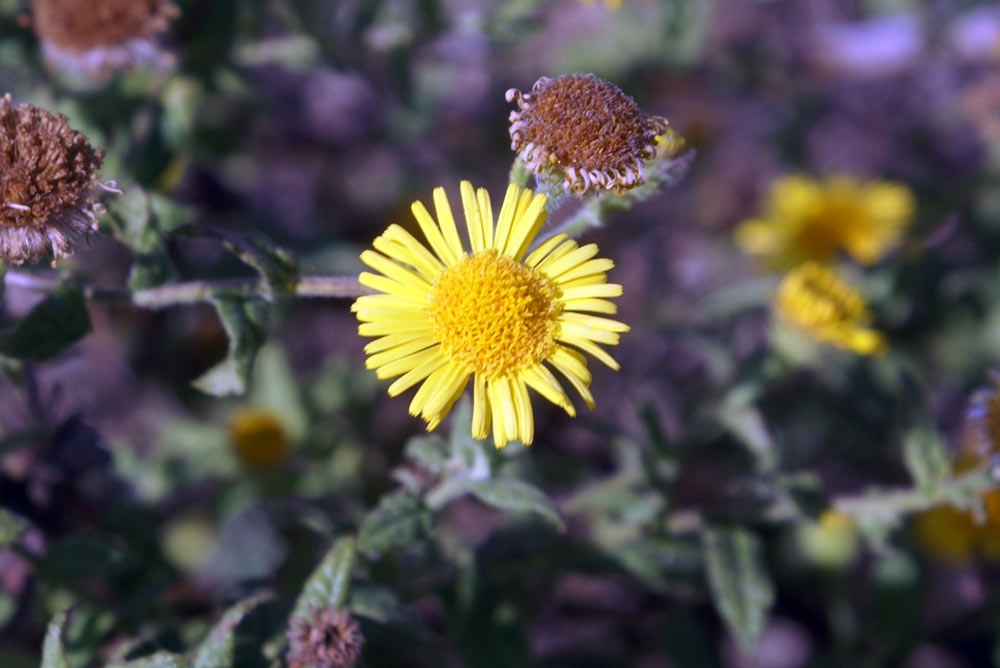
<point>805,219</point>
<point>500,314</point>
<point>814,299</point>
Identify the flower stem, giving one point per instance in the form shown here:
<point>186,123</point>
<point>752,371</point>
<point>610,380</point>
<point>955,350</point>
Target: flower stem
<point>189,292</point>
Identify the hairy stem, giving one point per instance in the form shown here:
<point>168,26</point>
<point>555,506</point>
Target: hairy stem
<point>189,292</point>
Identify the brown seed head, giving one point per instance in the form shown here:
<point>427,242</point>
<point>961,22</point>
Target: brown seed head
<point>325,638</point>
<point>586,127</point>
<point>79,25</point>
<point>48,174</point>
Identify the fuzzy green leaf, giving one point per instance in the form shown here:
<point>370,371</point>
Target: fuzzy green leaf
<point>329,585</point>
<point>217,650</point>
<point>275,265</point>
<point>397,521</point>
<point>517,496</point>
<point>54,324</point>
<point>926,459</point>
<point>741,590</point>
<point>157,660</point>
<point>53,653</point>
<point>243,320</point>
<point>11,527</point>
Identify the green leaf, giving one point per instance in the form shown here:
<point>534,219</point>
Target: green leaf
<point>11,527</point>
<point>243,320</point>
<point>157,660</point>
<point>143,218</point>
<point>216,651</point>
<point>926,459</point>
<point>54,324</point>
<point>430,451</point>
<point>399,520</point>
<point>329,585</point>
<point>275,265</point>
<point>82,557</point>
<point>379,603</point>
<point>740,587</point>
<point>517,496</point>
<point>8,608</point>
<point>53,654</point>
<point>806,491</point>
<point>742,419</point>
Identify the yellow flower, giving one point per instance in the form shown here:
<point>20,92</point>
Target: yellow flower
<point>499,314</point>
<point>613,5</point>
<point>831,541</point>
<point>945,532</point>
<point>814,299</point>
<point>257,437</point>
<point>805,219</point>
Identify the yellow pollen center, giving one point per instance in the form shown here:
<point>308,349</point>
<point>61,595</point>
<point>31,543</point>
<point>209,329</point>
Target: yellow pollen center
<point>494,315</point>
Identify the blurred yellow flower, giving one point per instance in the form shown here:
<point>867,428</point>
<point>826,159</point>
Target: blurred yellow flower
<point>613,5</point>
<point>805,219</point>
<point>497,315</point>
<point>831,541</point>
<point>814,299</point>
<point>945,532</point>
<point>258,437</point>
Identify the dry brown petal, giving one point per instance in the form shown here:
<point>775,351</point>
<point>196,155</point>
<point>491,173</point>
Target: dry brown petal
<point>48,175</point>
<point>324,638</point>
<point>79,25</point>
<point>588,128</point>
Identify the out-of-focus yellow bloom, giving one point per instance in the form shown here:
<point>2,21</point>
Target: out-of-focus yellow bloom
<point>258,437</point>
<point>831,541</point>
<point>669,143</point>
<point>613,5</point>
<point>945,532</point>
<point>814,299</point>
<point>805,219</point>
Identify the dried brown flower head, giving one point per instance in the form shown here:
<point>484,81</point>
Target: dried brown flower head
<point>586,127</point>
<point>325,638</point>
<point>96,36</point>
<point>48,176</point>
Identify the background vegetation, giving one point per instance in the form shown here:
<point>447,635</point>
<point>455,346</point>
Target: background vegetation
<point>740,495</point>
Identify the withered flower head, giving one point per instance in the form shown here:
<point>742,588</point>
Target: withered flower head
<point>326,638</point>
<point>48,176</point>
<point>97,36</point>
<point>586,127</point>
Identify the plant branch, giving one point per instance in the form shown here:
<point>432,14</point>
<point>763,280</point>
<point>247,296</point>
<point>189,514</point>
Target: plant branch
<point>189,292</point>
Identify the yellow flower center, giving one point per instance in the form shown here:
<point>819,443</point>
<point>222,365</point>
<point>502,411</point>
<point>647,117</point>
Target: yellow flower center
<point>494,315</point>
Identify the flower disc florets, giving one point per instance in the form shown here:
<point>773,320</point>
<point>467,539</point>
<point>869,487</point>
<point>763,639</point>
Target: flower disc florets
<point>97,36</point>
<point>48,175</point>
<point>586,127</point>
<point>494,315</point>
